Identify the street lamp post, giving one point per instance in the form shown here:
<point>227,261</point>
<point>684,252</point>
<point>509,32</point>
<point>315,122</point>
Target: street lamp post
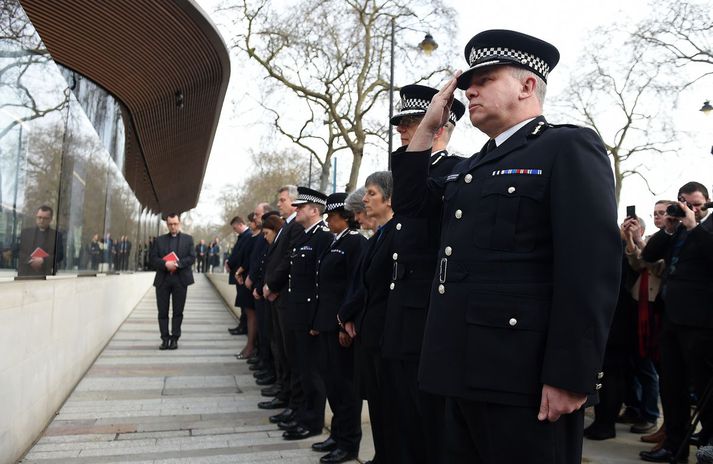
<point>427,45</point>
<point>707,109</point>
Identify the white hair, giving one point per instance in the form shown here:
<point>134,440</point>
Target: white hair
<point>540,86</point>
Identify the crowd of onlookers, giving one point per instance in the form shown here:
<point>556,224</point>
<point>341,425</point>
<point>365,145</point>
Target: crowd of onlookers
<point>660,344</point>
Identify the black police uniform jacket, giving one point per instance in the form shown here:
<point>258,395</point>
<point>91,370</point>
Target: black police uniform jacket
<point>414,251</point>
<point>306,251</point>
<point>277,261</point>
<point>509,311</point>
<point>336,270</point>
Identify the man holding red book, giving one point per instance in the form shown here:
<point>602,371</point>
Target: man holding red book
<point>41,248</point>
<point>172,257</point>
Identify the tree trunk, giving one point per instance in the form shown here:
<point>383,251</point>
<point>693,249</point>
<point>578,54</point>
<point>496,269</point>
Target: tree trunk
<point>358,155</point>
<point>326,169</point>
<point>618,179</point>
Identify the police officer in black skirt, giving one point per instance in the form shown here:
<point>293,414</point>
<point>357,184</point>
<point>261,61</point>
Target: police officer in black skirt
<point>417,415</point>
<point>336,270</point>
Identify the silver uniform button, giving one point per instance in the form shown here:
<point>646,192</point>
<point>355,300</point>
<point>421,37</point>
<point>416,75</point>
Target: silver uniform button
<point>600,375</point>
<point>309,299</point>
<point>395,256</point>
<point>511,189</point>
<point>398,226</point>
<point>468,178</point>
<point>459,214</point>
<point>512,322</point>
<point>392,286</point>
<point>441,289</point>
<point>448,251</point>
<point>598,386</point>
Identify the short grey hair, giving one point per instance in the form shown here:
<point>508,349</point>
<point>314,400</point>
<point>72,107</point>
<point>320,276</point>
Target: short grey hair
<point>355,201</point>
<point>384,181</point>
<point>291,191</point>
<point>540,85</point>
<point>641,222</point>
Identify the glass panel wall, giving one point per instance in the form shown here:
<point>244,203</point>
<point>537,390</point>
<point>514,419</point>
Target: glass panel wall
<point>66,206</point>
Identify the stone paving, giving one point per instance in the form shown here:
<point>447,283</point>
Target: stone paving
<point>197,404</point>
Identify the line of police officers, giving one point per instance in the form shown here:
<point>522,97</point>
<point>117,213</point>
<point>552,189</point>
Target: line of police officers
<point>474,253</point>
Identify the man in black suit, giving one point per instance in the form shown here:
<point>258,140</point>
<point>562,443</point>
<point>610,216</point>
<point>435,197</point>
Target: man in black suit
<point>201,256</point>
<point>415,246</point>
<point>274,290</point>
<point>243,297</point>
<point>686,245</point>
<point>41,248</point>
<point>173,276</point>
<point>514,336</point>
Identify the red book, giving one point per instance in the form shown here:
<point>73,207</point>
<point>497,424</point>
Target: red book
<point>171,257</point>
<point>39,253</point>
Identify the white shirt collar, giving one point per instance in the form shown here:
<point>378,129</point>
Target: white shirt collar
<point>500,139</point>
<point>341,234</point>
<point>311,228</point>
<point>291,217</point>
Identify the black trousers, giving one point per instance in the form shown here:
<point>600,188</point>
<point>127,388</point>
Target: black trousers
<point>370,374</point>
<point>264,327</point>
<point>336,368</point>
<point>311,413</point>
<point>417,415</point>
<point>171,289</point>
<point>617,371</point>
<point>686,358</point>
<point>488,433</point>
<point>277,345</point>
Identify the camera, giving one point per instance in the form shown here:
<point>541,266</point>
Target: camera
<point>675,210</point>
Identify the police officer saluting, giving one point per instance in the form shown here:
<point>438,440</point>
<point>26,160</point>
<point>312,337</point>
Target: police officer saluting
<point>306,250</point>
<point>515,333</point>
<point>337,268</point>
<point>418,415</point>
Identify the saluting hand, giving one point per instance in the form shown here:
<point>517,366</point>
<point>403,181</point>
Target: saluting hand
<point>436,116</point>
<point>557,401</point>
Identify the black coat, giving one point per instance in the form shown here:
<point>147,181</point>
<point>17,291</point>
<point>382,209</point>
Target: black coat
<point>414,254</point>
<point>237,255</point>
<point>50,242</point>
<point>277,261</point>
<point>528,265</point>
<point>258,255</point>
<point>374,281</point>
<point>688,295</point>
<point>306,250</point>
<point>337,268</point>
<point>186,256</point>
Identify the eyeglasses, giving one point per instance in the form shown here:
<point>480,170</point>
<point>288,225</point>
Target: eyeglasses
<point>659,213</point>
<point>408,121</point>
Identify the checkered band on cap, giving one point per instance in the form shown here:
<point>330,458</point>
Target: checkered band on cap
<point>536,64</point>
<point>307,198</point>
<point>333,207</point>
<point>417,106</point>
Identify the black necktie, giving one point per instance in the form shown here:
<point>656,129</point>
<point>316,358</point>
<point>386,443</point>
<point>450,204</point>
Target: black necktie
<point>490,146</point>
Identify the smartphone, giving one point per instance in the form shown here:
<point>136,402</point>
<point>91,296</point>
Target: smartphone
<point>631,211</point>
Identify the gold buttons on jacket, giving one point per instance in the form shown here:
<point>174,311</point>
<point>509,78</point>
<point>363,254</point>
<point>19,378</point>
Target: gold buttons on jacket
<point>441,289</point>
<point>511,189</point>
<point>459,214</point>
<point>448,251</point>
<point>398,226</point>
<point>395,256</point>
<point>512,322</point>
<point>392,286</point>
<point>468,178</point>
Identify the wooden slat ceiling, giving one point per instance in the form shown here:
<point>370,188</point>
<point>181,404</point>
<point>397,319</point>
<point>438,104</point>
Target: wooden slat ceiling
<point>144,52</point>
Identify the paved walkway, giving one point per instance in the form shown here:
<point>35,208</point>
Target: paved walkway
<point>197,404</point>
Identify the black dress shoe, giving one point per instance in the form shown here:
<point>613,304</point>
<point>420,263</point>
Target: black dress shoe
<point>288,425</point>
<point>285,416</point>
<point>262,381</point>
<point>338,455</point>
<point>259,367</point>
<point>253,360</point>
<point>272,390</point>
<point>261,373</point>
<point>173,344</point>
<point>164,344</point>
<point>239,330</point>
<point>597,431</point>
<point>643,427</point>
<point>300,433</point>
<point>274,403</point>
<point>661,455</point>
<point>323,446</point>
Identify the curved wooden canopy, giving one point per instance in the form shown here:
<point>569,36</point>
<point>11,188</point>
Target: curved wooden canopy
<point>166,63</point>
